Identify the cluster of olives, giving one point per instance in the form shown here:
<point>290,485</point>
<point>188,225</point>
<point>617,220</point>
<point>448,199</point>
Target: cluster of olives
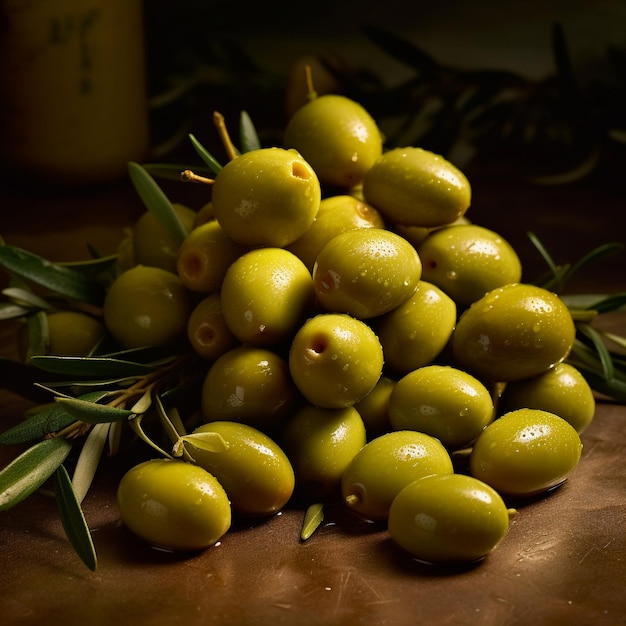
<point>361,338</point>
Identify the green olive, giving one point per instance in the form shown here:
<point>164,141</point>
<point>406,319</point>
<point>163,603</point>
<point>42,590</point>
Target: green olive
<point>153,243</point>
<point>416,332</point>
<point>513,332</point>
<point>416,187</point>
<point>248,384</point>
<point>336,215</point>
<point>562,390</point>
<point>448,519</point>
<point>207,330</point>
<point>335,360</point>
<point>266,295</point>
<point>467,261</point>
<point>173,504</point>
<point>321,443</point>
<point>385,465</point>
<point>266,197</point>
<point>337,136</point>
<point>441,401</point>
<point>73,333</point>
<point>147,306</point>
<point>204,256</point>
<point>254,471</point>
<point>374,407</point>
<point>525,452</point>
<point>366,272</point>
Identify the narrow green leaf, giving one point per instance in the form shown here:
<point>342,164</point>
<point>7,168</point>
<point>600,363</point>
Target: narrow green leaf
<point>135,424</point>
<point>25,298</point>
<point>93,412</point>
<point>59,279</point>
<point>207,442</point>
<point>603,352</point>
<point>591,257</point>
<point>614,388</point>
<point>313,517</point>
<point>73,519</point>
<point>554,268</point>
<point>37,335</point>
<point>156,201</point>
<point>25,474</point>
<point>211,162</point>
<point>92,267</point>
<point>10,310</point>
<point>88,460</point>
<point>101,367</point>
<point>248,136</point>
<point>45,422</point>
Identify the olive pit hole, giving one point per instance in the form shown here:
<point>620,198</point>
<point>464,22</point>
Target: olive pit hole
<point>299,170</point>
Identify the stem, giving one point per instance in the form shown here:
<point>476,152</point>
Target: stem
<point>220,124</point>
<point>308,78</point>
<point>187,176</point>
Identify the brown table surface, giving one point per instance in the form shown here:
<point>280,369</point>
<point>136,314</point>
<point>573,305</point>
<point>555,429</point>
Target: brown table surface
<point>562,562</point>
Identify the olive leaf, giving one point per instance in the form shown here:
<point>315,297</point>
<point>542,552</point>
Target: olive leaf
<point>248,136</point>
<point>207,442</point>
<point>73,519</point>
<point>11,310</point>
<point>313,517</point>
<point>92,267</point>
<point>50,419</point>
<point>90,366</point>
<point>211,162</point>
<point>156,201</point>
<point>25,474</point>
<point>88,459</point>
<point>55,277</point>
<point>25,298</point>
<point>135,423</point>
<point>38,335</point>
<point>93,412</point>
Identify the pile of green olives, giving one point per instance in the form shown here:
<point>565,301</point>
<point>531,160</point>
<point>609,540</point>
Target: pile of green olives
<point>359,339</point>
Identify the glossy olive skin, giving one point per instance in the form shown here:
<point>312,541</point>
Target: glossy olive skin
<point>441,401</point>
<point>207,330</point>
<point>448,519</point>
<point>266,197</point>
<point>204,256</point>
<point>73,333</point>
<point>562,390</point>
<point>385,465</point>
<point>336,215</point>
<point>321,443</point>
<point>374,408</point>
<point>147,306</point>
<point>525,452</point>
<point>416,187</point>
<point>251,385</point>
<point>416,332</point>
<point>153,244</point>
<point>174,505</point>
<point>366,272</point>
<point>335,360</point>
<point>254,470</point>
<point>513,332</point>
<point>337,136</point>
<point>467,261</point>
<point>266,295</point>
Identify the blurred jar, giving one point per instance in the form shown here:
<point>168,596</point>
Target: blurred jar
<point>73,101</point>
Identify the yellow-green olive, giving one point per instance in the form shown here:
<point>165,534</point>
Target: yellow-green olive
<point>173,504</point>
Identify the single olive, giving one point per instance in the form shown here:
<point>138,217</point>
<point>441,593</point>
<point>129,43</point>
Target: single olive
<point>337,136</point>
<point>335,360</point>
<point>251,385</point>
<point>416,187</point>
<point>146,306</point>
<point>374,408</point>
<point>416,332</point>
<point>562,390</point>
<point>366,272</point>
<point>320,443</point>
<point>467,261</point>
<point>173,504</point>
<point>154,244</point>
<point>266,197</point>
<point>73,333</point>
<point>267,294</point>
<point>253,469</point>
<point>513,332</point>
<point>525,452</point>
<point>449,518</point>
<point>204,256</point>
<point>385,465</point>
<point>415,235</point>
<point>207,330</point>
<point>441,401</point>
<point>336,215</point>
